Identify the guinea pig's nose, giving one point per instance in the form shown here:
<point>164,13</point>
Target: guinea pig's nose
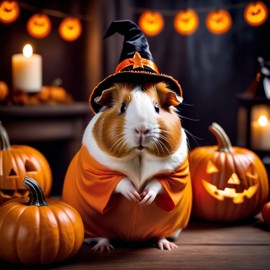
<point>142,130</point>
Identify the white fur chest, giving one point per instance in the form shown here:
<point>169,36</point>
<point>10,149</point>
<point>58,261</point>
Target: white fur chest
<point>138,168</point>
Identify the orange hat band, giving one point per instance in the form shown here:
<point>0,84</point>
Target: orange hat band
<point>136,62</point>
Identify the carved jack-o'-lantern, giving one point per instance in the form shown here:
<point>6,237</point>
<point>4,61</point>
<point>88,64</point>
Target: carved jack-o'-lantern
<point>39,25</point>
<point>9,11</point>
<point>186,22</point>
<point>18,161</point>
<point>151,23</point>
<point>70,29</point>
<point>218,21</point>
<point>256,13</point>
<point>229,183</point>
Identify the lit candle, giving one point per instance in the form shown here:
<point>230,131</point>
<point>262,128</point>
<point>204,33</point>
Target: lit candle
<point>260,134</point>
<point>27,70</point>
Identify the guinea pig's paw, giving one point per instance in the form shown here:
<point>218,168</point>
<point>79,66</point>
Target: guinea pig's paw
<point>102,245</point>
<point>150,192</point>
<point>163,243</point>
<point>127,189</point>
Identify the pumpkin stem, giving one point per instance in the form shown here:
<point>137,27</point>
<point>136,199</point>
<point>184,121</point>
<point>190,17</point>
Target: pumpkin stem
<point>4,140</point>
<point>224,143</point>
<point>36,196</point>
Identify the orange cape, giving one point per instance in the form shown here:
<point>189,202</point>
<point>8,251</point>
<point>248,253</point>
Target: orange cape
<point>89,188</point>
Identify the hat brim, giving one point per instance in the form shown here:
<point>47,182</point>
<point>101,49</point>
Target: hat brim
<point>138,77</point>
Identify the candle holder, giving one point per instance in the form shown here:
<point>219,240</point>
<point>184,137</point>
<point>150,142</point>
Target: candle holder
<point>254,111</point>
<point>254,114</point>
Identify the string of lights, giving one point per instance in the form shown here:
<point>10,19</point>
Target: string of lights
<point>186,21</point>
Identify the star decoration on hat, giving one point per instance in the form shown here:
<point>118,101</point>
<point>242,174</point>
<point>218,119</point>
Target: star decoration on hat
<point>138,61</point>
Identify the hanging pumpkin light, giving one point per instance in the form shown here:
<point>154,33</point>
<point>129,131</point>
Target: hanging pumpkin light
<point>256,13</point>
<point>218,21</point>
<point>70,28</point>
<point>186,22</point>
<point>229,183</point>
<point>9,11</point>
<point>151,22</point>
<point>39,25</point>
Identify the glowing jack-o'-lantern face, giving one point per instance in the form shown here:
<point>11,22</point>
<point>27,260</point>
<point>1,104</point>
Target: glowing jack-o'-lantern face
<point>9,11</point>
<point>256,13</point>
<point>70,29</point>
<point>39,25</point>
<point>229,183</point>
<point>219,21</point>
<point>18,161</point>
<point>186,22</point>
<point>151,23</point>
<point>234,189</point>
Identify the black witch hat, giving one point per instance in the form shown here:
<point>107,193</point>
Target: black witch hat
<point>136,63</point>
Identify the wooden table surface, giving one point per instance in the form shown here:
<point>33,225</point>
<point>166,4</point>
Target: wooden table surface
<point>201,246</point>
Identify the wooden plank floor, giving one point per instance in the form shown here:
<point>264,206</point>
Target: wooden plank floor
<point>201,246</point>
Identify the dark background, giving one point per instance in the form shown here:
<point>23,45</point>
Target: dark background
<point>212,69</point>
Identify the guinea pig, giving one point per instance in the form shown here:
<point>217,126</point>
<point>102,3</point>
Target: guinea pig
<point>130,179</point>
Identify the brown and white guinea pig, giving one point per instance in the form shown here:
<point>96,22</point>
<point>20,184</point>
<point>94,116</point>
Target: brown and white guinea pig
<point>130,179</point>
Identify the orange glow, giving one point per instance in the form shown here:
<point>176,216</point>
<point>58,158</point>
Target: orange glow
<point>151,23</point>
<point>70,29</point>
<point>186,22</point>
<point>39,25</point>
<point>219,21</point>
<point>9,11</point>
<point>256,13</point>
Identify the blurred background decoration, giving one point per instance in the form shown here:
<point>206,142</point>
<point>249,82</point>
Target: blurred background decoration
<point>210,47</point>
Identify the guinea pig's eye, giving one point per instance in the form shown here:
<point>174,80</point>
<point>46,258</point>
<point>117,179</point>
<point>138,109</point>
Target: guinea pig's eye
<point>123,107</point>
<point>156,107</point>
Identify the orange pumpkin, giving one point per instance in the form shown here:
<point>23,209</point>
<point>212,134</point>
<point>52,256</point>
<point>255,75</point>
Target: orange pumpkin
<point>39,25</point>
<point>266,213</point>
<point>70,29</point>
<point>37,231</point>
<point>151,23</point>
<point>4,90</point>
<point>18,161</point>
<point>54,94</point>
<point>9,11</point>
<point>218,21</point>
<point>256,13</point>
<point>229,183</point>
<point>186,22</point>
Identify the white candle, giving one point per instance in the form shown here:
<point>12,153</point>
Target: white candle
<point>27,70</point>
<point>260,134</point>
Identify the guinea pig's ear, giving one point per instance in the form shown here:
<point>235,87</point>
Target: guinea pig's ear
<point>166,96</point>
<point>106,97</point>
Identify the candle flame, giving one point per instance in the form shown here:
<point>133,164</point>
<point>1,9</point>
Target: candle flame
<point>263,121</point>
<point>27,50</point>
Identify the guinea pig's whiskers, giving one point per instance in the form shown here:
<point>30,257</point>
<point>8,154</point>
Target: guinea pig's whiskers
<point>118,145</point>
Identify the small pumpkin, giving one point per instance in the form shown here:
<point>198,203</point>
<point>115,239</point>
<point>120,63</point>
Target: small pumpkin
<point>18,161</point>
<point>4,91</point>
<point>39,25</point>
<point>54,93</point>
<point>186,22</point>
<point>256,13</point>
<point>9,11</point>
<point>218,21</point>
<point>70,29</point>
<point>266,213</point>
<point>229,183</point>
<point>35,231</point>
<point>151,22</point>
